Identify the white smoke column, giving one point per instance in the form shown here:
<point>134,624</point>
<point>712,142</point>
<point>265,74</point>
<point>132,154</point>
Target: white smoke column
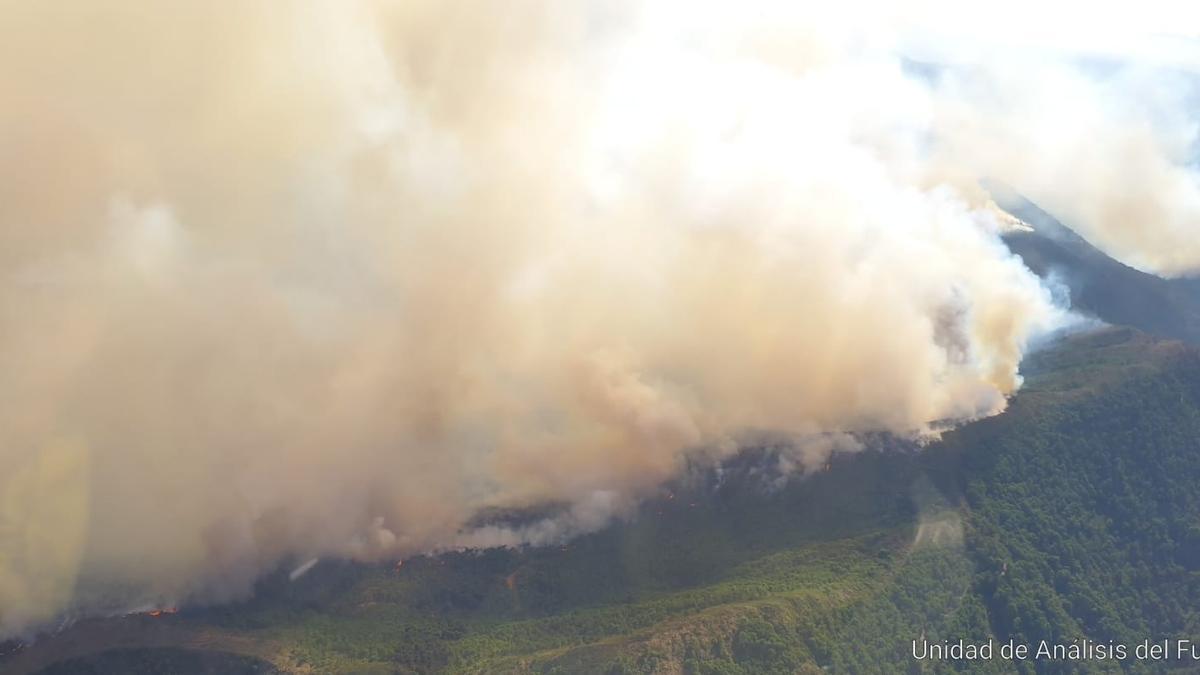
<point>280,283</point>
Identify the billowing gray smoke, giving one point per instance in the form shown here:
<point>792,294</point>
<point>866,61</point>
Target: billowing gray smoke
<point>328,278</point>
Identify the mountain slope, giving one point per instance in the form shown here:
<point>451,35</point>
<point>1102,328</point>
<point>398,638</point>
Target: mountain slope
<point>1100,286</point>
<point>1084,518</point>
<point>1073,515</point>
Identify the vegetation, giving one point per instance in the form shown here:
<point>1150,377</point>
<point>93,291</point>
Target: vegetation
<point>1072,516</point>
<point>1085,516</point>
<point>157,661</point>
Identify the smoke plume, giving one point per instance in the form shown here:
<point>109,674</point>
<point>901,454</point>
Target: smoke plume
<point>283,281</point>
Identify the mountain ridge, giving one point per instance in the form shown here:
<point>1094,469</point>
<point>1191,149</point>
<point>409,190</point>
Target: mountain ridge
<point>1097,284</point>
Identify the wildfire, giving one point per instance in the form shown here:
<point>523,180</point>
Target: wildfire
<point>160,612</point>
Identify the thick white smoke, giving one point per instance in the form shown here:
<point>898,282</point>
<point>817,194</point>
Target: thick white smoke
<point>328,278</point>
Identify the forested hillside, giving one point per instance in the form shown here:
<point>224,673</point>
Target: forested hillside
<point>1073,515</point>
<point>1084,516</point>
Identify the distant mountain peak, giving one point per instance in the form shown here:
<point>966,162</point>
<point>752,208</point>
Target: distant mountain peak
<point>1099,285</point>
